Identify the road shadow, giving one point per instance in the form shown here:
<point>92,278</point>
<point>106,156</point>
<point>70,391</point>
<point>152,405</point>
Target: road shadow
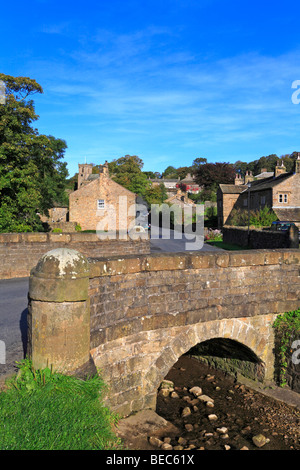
<point>24,330</point>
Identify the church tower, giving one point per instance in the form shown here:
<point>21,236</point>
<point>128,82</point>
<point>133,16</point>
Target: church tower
<point>84,171</point>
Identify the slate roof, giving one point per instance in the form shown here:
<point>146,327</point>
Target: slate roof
<point>93,176</point>
<point>164,180</point>
<point>189,178</point>
<point>269,183</point>
<point>288,213</point>
<point>232,188</point>
<point>265,174</point>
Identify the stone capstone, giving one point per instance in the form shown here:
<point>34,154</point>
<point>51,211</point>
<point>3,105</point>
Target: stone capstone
<point>59,311</point>
<point>61,275</point>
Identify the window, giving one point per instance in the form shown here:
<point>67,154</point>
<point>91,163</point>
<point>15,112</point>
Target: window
<point>100,204</point>
<point>263,200</point>
<point>282,198</point>
<point>245,202</point>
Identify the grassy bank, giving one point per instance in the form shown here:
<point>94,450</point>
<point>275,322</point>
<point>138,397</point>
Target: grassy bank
<point>44,410</point>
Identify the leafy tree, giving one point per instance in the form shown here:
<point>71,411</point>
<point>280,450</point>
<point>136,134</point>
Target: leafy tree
<point>155,194</point>
<point>170,172</point>
<point>210,174</point>
<point>289,161</point>
<point>32,175</point>
<point>130,164</point>
<point>241,167</point>
<point>183,171</point>
<point>197,162</point>
<point>151,174</point>
<point>127,171</point>
<point>269,163</point>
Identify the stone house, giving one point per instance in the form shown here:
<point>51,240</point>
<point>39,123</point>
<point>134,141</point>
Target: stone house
<point>169,184</point>
<point>279,191</point>
<point>58,213</point>
<point>98,199</point>
<point>227,196</point>
<point>189,185</point>
<point>181,199</point>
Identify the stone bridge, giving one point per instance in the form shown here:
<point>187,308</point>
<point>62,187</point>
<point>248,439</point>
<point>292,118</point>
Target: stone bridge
<point>133,316</point>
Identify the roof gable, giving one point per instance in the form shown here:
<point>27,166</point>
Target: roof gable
<point>269,183</point>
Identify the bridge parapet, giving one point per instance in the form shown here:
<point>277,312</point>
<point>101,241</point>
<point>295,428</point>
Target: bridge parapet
<point>148,310</point>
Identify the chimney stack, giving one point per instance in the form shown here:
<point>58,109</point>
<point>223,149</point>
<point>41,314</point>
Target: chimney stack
<point>238,179</point>
<point>279,169</point>
<point>297,164</point>
<point>248,176</point>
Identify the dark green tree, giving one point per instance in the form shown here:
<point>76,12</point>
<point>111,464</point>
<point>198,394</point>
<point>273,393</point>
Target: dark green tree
<point>32,173</point>
<point>210,175</point>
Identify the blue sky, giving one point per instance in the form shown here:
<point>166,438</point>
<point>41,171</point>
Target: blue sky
<point>168,80</point>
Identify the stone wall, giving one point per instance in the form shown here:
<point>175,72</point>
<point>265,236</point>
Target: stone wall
<point>258,239</point>
<point>20,252</point>
<point>146,311</point>
<point>65,227</point>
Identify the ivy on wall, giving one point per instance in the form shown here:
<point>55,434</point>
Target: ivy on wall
<point>287,328</point>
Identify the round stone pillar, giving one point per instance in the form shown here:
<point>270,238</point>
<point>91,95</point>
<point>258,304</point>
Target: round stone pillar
<point>58,311</point>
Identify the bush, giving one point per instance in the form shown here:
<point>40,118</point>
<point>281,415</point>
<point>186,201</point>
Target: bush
<point>78,228</point>
<point>287,327</point>
<point>257,218</point>
<point>57,230</point>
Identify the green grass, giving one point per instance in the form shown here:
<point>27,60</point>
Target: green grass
<point>44,410</point>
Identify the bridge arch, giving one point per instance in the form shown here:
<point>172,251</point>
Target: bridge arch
<point>253,333</point>
<point>141,313</point>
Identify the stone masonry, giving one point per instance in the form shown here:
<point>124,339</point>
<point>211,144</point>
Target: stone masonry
<point>148,310</point>
<point>116,201</point>
<point>20,252</point>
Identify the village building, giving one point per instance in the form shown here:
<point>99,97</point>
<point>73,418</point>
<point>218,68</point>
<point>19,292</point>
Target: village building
<point>98,199</point>
<point>227,196</point>
<point>189,185</point>
<point>57,214</point>
<point>280,191</point>
<point>181,199</point>
<point>169,184</point>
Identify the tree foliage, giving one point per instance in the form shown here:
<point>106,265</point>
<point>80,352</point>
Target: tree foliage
<point>210,174</point>
<point>127,171</point>
<point>32,173</point>
<point>267,163</point>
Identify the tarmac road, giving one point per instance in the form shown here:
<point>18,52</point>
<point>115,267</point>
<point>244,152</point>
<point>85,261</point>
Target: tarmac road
<point>167,242</point>
<point>13,302</point>
<point>13,321</point>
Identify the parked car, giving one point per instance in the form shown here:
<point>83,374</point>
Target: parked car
<point>281,225</point>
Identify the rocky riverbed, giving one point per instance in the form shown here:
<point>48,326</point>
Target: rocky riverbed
<point>205,409</point>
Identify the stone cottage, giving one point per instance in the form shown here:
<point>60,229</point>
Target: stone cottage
<point>98,199</point>
<point>181,199</point>
<point>280,192</point>
<point>169,184</point>
<point>189,185</point>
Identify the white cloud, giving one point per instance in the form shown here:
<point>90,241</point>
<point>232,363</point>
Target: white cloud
<point>132,86</point>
